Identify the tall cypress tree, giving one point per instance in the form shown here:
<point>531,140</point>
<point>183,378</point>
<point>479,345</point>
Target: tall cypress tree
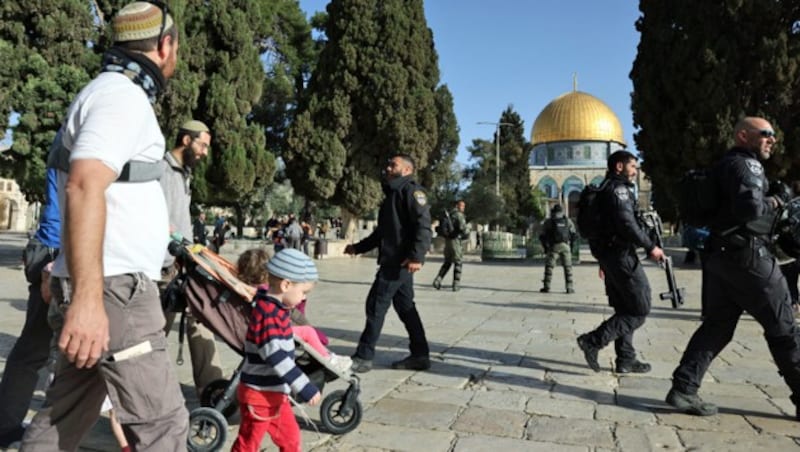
<point>46,60</point>
<point>372,94</point>
<point>442,176</point>
<point>701,66</point>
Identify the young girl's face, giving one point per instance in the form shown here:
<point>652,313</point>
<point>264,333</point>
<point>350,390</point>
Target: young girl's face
<point>294,293</point>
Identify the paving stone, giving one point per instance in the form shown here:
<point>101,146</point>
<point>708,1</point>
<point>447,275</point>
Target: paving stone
<point>494,422</point>
<point>625,415</point>
<point>412,414</point>
<point>376,437</point>
<point>510,400</point>
<point>648,437</point>
<point>516,378</point>
<point>433,394</point>
<point>576,431</point>
<point>480,443</point>
<point>729,423</point>
<point>597,394</point>
<point>744,442</point>
<point>572,409</point>
<point>761,375</point>
<point>775,425</point>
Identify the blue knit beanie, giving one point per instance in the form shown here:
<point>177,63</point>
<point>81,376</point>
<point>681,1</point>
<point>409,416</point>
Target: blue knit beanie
<point>292,265</point>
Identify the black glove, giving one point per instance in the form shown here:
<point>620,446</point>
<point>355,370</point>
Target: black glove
<point>780,191</point>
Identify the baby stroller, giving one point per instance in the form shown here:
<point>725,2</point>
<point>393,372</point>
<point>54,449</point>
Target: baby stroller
<point>207,285</point>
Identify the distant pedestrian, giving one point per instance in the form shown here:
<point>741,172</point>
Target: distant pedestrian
<point>293,234</point>
<point>558,234</point>
<point>454,247</point>
<point>199,229</point>
<point>220,236</point>
<point>31,350</point>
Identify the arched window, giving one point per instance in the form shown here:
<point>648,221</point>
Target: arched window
<point>572,184</point>
<point>597,181</point>
<point>548,186</point>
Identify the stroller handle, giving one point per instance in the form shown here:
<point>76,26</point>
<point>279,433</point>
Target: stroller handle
<point>177,248</point>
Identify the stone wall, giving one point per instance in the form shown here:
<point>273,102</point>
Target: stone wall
<point>16,214</point>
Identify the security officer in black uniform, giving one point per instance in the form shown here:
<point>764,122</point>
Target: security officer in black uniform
<point>558,233</point>
<point>403,237</point>
<point>626,284</point>
<point>740,273</point>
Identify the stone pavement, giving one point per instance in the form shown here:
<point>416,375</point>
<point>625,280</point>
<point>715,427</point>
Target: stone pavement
<point>507,374</point>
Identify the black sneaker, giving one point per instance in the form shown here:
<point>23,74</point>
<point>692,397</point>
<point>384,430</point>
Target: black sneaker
<point>544,290</point>
<point>361,365</point>
<point>413,363</point>
<point>635,367</point>
<point>12,436</point>
<point>456,287</point>
<point>690,403</point>
<point>589,352</point>
<point>437,283</point>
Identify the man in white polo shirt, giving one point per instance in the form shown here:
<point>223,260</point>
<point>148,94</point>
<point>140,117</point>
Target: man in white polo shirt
<point>115,231</point>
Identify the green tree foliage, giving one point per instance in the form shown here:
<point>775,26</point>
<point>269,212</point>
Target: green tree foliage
<point>442,176</point>
<point>515,185</point>
<point>701,66</point>
<point>231,52</point>
<point>371,94</point>
<point>43,46</point>
<point>517,203</point>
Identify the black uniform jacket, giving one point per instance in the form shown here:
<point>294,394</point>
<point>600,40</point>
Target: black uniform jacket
<point>404,224</point>
<point>741,187</point>
<point>619,209</point>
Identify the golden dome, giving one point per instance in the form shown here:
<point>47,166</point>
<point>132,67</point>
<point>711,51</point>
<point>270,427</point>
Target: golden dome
<point>576,116</point>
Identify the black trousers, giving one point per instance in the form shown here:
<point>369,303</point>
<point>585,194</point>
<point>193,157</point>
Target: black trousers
<point>629,294</point>
<point>32,348</point>
<point>737,281</point>
<point>392,287</point>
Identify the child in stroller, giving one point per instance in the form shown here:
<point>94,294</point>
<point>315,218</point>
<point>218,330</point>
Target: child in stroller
<point>269,374</point>
<point>208,284</point>
<point>252,269</point>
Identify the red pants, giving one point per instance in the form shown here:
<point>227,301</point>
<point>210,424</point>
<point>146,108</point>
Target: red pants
<point>266,412</point>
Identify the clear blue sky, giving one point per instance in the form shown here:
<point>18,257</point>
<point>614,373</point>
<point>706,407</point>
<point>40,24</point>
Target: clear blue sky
<point>493,53</point>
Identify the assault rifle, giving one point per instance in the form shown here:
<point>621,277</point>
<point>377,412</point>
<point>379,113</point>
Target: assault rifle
<point>652,222</point>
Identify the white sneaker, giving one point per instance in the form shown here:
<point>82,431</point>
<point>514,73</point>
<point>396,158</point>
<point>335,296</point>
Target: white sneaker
<point>341,363</point>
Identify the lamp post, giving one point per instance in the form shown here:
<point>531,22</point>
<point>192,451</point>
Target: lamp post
<point>497,126</point>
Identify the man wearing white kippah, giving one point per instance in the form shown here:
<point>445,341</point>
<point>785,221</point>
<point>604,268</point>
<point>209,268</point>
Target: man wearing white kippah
<point>191,145</point>
<point>112,341</point>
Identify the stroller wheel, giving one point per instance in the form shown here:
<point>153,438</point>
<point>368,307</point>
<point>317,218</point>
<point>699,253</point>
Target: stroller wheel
<point>213,393</point>
<point>338,416</point>
<point>208,430</point>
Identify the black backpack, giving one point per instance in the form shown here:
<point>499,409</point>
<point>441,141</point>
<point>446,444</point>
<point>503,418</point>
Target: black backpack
<point>446,228</point>
<point>588,222</point>
<point>698,200</point>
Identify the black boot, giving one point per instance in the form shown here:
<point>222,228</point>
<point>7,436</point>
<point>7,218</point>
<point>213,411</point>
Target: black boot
<point>437,283</point>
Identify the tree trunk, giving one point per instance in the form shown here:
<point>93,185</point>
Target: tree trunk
<point>349,226</point>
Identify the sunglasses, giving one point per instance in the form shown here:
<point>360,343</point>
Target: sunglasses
<point>766,133</point>
<point>164,11</point>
